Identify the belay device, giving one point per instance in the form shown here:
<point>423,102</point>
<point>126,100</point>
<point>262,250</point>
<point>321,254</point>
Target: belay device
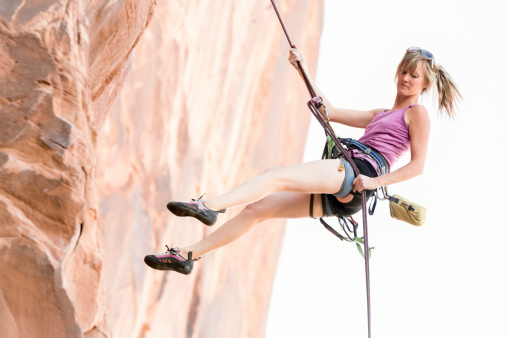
<point>314,104</point>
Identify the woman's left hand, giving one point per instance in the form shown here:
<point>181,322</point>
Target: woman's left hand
<point>295,56</point>
<point>362,182</point>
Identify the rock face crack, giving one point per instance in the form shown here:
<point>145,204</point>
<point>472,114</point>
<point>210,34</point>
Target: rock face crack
<point>78,236</point>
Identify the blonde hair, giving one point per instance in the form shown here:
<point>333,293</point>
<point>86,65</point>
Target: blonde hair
<point>448,93</point>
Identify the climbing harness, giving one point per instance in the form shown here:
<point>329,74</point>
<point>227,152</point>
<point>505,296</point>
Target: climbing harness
<point>330,205</point>
<point>314,104</point>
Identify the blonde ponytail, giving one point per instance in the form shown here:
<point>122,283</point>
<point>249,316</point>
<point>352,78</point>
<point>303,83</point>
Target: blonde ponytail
<point>448,93</point>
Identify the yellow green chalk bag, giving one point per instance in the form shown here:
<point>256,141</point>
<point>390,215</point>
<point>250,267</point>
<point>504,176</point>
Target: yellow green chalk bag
<point>407,211</point>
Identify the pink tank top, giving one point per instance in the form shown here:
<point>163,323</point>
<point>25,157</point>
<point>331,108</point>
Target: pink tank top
<point>388,134</point>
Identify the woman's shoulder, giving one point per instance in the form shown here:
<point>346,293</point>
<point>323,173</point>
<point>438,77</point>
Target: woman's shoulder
<point>416,113</point>
<point>415,110</point>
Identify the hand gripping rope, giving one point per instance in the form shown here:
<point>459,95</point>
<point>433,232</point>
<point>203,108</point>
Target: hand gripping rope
<point>314,104</point>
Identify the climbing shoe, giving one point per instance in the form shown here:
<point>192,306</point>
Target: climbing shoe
<point>196,209</point>
<point>171,260</point>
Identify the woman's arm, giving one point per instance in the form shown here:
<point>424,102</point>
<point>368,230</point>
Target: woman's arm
<point>349,117</point>
<point>419,129</point>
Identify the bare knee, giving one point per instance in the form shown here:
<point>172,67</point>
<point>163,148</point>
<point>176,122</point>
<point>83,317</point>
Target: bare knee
<point>273,177</point>
<point>271,172</point>
<point>257,212</point>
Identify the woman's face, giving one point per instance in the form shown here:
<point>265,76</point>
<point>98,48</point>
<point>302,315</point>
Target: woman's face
<point>410,84</point>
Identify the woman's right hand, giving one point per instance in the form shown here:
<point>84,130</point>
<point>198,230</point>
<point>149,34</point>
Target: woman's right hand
<point>295,56</point>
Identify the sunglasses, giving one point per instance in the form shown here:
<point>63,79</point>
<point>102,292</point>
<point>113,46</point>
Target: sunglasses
<point>427,54</point>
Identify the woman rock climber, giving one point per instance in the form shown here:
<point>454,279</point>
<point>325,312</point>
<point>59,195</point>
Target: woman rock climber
<point>285,192</point>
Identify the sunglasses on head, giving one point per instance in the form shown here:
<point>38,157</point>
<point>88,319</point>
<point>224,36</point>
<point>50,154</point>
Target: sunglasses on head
<point>427,54</point>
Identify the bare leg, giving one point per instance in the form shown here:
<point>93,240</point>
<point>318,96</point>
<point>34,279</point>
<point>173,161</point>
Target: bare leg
<point>312,177</point>
<point>277,205</point>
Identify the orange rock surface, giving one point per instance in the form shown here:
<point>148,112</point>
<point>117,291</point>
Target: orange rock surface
<point>62,64</point>
<point>88,160</point>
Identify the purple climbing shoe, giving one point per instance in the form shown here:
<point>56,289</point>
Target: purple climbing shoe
<point>171,260</point>
<point>196,209</point>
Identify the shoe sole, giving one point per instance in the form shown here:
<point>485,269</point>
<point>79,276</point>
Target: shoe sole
<point>181,211</point>
<point>154,264</point>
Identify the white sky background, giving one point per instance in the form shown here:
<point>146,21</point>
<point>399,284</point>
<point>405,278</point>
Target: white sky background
<point>446,278</point>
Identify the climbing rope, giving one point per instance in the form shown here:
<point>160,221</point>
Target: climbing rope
<point>314,104</point>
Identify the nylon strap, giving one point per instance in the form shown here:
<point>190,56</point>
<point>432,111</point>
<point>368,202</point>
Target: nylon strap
<point>314,104</point>
<point>311,206</point>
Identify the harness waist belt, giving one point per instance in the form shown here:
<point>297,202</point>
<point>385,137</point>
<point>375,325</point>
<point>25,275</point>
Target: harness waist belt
<point>369,151</point>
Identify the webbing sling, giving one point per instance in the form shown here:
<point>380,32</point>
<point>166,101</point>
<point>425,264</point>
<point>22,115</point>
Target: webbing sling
<point>314,104</point>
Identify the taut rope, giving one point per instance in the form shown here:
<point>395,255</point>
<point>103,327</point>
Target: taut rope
<point>314,104</point>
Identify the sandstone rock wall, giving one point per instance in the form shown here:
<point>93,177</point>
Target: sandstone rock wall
<point>210,101</point>
<point>61,65</point>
